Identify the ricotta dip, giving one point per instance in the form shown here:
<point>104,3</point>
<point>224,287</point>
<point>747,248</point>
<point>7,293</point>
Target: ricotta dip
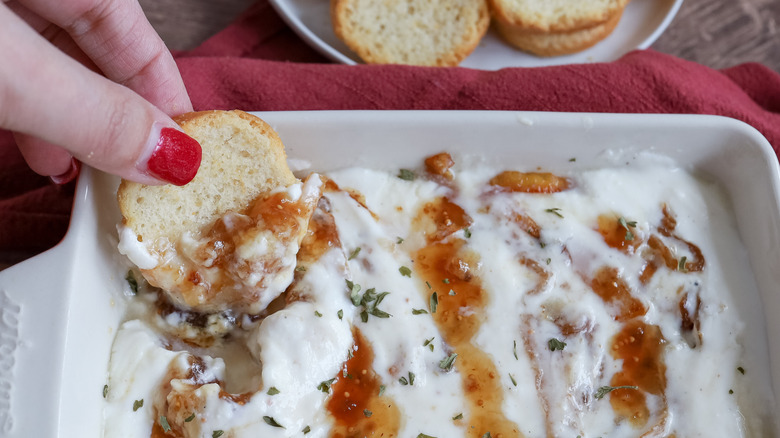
<point>459,299</point>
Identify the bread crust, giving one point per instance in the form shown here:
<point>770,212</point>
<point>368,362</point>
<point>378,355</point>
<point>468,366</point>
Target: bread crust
<point>512,13</point>
<point>556,43</point>
<point>402,41</point>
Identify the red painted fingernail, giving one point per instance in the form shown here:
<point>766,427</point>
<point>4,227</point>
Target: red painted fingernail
<point>176,158</point>
<point>69,175</point>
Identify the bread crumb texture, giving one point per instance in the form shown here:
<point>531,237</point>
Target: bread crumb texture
<point>243,158</point>
<point>555,15</point>
<point>415,32</point>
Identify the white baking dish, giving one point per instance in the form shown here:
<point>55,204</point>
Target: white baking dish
<point>59,311</point>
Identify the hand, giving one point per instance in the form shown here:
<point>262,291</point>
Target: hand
<point>90,80</point>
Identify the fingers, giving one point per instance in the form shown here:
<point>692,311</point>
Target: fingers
<point>54,98</point>
<point>116,35</point>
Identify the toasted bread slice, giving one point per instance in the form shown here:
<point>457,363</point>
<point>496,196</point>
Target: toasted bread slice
<point>555,16</point>
<point>556,43</point>
<point>228,239</point>
<point>415,32</point>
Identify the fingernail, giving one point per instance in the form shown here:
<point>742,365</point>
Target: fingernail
<point>69,175</point>
<point>176,157</point>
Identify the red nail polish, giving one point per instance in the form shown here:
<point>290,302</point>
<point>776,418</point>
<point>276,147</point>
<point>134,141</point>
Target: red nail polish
<point>176,158</point>
<point>69,175</point>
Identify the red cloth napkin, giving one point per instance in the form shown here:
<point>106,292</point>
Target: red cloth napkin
<point>258,63</point>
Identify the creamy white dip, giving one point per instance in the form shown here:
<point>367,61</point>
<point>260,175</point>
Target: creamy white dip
<point>553,331</point>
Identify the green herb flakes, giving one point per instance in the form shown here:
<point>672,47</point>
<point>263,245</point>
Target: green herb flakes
<point>512,378</point>
<point>217,434</point>
<point>447,363</point>
<point>627,225</point>
<point>731,391</point>
<point>354,253</point>
<point>406,272</point>
<point>367,413</point>
<point>382,389</point>
<point>419,312</point>
<point>406,175</point>
<point>514,349</point>
<point>467,233</point>
<point>164,424</point>
<point>556,211</point>
<point>555,345</point>
<point>325,385</point>
<point>300,269</point>
<point>273,391</point>
<point>306,430</point>
<point>741,370</point>
<point>354,292</point>
<point>446,281</point>
<point>604,390</point>
<point>452,293</point>
<point>403,380</point>
<point>190,418</point>
<point>105,391</point>
<point>138,404</point>
<point>429,343</point>
<point>486,435</point>
<point>411,378</point>
<point>681,264</point>
<point>399,240</point>
<point>434,302</point>
<point>340,314</point>
<point>422,435</point>
<point>130,277</point>
<point>271,422</point>
<point>317,314</point>
<point>458,417</point>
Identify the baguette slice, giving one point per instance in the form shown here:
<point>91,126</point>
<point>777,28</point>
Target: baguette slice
<point>555,16</point>
<point>228,239</point>
<point>415,32</point>
<point>556,43</point>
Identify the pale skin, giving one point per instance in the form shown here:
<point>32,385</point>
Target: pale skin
<point>86,79</point>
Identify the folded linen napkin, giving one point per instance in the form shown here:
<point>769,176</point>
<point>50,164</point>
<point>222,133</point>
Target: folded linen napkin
<point>258,63</point>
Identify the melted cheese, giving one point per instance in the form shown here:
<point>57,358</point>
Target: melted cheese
<point>630,267</point>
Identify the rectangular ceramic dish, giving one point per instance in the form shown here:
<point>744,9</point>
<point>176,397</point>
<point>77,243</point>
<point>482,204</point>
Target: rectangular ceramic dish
<point>59,311</point>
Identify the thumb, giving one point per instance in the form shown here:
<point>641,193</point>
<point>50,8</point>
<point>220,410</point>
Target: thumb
<point>50,96</point>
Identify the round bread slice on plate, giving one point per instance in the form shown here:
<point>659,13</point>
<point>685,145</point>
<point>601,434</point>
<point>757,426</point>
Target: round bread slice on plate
<point>415,32</point>
<point>227,240</point>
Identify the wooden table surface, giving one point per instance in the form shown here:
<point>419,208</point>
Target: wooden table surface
<point>715,33</point>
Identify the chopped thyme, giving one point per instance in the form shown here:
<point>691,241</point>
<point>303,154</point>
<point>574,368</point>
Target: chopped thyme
<point>105,391</point>
<point>572,159</point>
<point>138,404</point>
<point>350,354</point>
<point>324,386</point>
<point>354,292</point>
<point>514,349</point>
<point>406,175</point>
<point>555,345</point>
<point>446,281</point>
<point>604,390</point>
<point>467,233</point>
<point>354,253</point>
<point>741,370</point>
<point>340,314</point>
<point>317,314</point>
<point>447,363</point>
<point>382,389</point>
<point>428,284</point>
<point>406,272</point>
<point>399,240</point>
<point>273,391</point>
<point>300,268</point>
<point>403,381</point>
<point>419,312</point>
<point>367,413</point>
<point>681,264</point>
<point>556,211</point>
<point>627,225</point>
<point>731,391</point>
<point>434,302</point>
<point>548,260</point>
<point>411,378</point>
<point>271,422</point>
<point>306,430</point>
<point>512,378</point>
<point>190,418</point>
<point>217,434</point>
<point>422,435</point>
<point>130,277</point>
<point>429,343</point>
<point>486,435</point>
<point>458,417</point>
<point>164,424</point>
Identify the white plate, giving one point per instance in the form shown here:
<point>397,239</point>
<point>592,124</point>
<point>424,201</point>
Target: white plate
<point>642,23</point>
<point>59,311</point>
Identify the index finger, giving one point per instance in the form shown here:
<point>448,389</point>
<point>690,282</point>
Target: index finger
<point>116,35</point>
